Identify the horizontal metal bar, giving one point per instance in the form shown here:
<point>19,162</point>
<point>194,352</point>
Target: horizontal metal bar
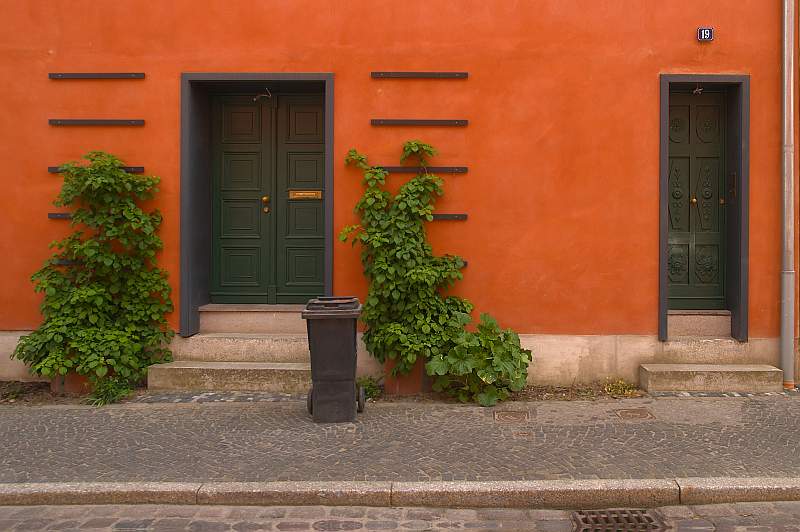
<point>66,262</point>
<point>429,169</point>
<point>59,215</point>
<point>417,122</point>
<point>449,216</point>
<point>419,75</point>
<point>96,75</point>
<point>129,169</point>
<point>95,122</point>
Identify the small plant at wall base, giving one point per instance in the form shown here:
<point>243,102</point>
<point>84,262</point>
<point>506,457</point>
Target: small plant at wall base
<point>406,313</point>
<point>105,299</point>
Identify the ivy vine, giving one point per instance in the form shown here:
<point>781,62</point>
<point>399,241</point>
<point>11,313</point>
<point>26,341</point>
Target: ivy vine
<point>407,313</point>
<point>105,299</point>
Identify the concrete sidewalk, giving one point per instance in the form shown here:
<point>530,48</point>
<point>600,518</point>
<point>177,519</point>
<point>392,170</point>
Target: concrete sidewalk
<point>668,442</point>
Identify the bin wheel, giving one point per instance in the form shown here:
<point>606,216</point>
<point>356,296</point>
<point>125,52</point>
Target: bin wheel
<point>361,399</point>
<point>310,401</point>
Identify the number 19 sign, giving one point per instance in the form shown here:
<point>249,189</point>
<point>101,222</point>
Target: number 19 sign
<point>705,34</point>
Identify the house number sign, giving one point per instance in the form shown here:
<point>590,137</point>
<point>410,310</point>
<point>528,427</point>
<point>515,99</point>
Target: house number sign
<point>705,34</point>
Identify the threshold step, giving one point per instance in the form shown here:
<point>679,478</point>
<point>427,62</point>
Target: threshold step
<point>708,323</point>
<point>239,318</point>
<point>756,378</point>
<point>242,347</point>
<point>294,378</point>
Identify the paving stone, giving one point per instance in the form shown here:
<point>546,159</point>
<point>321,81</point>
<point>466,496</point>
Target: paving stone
<point>417,525</point>
<point>461,514</point>
<point>348,511</point>
<point>293,525</point>
<point>336,524</point>
<point>676,512</point>
<point>394,514</point>
<point>307,512</point>
<point>208,526</point>
<point>423,514</point>
<point>480,524</point>
<point>547,515</point>
<point>173,523</point>
<point>381,525</point>
<point>248,526</point>
<point>788,507</point>
<point>99,522</point>
<point>755,436</point>
<point>502,514</point>
<point>177,511</point>
<point>713,510</point>
<point>64,525</point>
<point>693,524</point>
<point>133,524</point>
<point>33,524</point>
<point>554,526</point>
<point>754,508</point>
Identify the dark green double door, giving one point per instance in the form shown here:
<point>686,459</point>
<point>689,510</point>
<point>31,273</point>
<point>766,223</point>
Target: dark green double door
<point>697,201</point>
<point>268,188</point>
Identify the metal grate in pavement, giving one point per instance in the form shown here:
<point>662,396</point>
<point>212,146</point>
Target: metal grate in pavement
<point>619,519</point>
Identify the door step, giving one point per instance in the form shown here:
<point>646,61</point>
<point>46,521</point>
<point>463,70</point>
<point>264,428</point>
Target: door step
<point>292,378</point>
<point>251,319</point>
<point>242,347</point>
<point>706,350</point>
<point>702,323</point>
<point>756,378</point>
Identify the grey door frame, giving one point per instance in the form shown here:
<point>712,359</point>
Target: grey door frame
<point>738,87</point>
<point>195,193</point>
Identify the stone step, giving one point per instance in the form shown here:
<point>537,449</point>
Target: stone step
<point>708,323</point>
<point>710,378</point>
<point>252,319</point>
<point>293,378</point>
<point>706,350</point>
<point>242,347</point>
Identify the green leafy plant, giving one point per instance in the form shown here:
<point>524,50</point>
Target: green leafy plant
<point>105,299</point>
<point>485,365</point>
<point>372,388</point>
<point>406,312</point>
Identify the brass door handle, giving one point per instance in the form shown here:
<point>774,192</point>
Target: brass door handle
<point>265,203</point>
<point>694,200</point>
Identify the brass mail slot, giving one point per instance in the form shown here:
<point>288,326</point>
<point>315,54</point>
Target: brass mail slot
<point>305,194</point>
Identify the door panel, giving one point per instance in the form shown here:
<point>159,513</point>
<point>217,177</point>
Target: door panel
<point>299,197</point>
<point>242,173</point>
<point>268,247</point>
<point>696,261</point>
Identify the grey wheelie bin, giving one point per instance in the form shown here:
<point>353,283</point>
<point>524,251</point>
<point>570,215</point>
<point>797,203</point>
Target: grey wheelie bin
<point>331,323</point>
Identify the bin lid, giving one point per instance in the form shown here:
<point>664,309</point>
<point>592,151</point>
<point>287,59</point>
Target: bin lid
<point>332,307</point>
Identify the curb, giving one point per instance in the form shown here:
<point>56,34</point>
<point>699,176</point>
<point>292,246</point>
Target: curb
<point>539,494</point>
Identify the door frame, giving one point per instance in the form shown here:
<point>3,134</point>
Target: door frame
<point>737,89</point>
<point>195,183</point>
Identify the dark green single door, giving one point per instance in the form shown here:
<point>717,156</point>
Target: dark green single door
<point>268,216</point>
<point>696,266</point>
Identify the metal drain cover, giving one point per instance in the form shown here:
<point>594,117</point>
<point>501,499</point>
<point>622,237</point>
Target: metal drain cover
<point>634,413</point>
<point>619,519</point>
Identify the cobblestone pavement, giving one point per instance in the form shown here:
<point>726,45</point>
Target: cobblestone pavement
<point>264,441</point>
<point>751,516</point>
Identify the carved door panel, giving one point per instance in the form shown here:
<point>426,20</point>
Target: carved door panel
<point>267,247</point>
<point>299,211</point>
<point>697,202</point>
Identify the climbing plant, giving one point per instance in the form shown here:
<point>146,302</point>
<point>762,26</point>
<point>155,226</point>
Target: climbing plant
<point>105,299</point>
<point>407,313</point>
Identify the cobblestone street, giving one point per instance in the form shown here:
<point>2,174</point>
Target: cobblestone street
<point>740,516</point>
<point>265,441</point>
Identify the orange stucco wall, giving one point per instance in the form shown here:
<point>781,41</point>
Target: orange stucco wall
<point>562,98</point>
